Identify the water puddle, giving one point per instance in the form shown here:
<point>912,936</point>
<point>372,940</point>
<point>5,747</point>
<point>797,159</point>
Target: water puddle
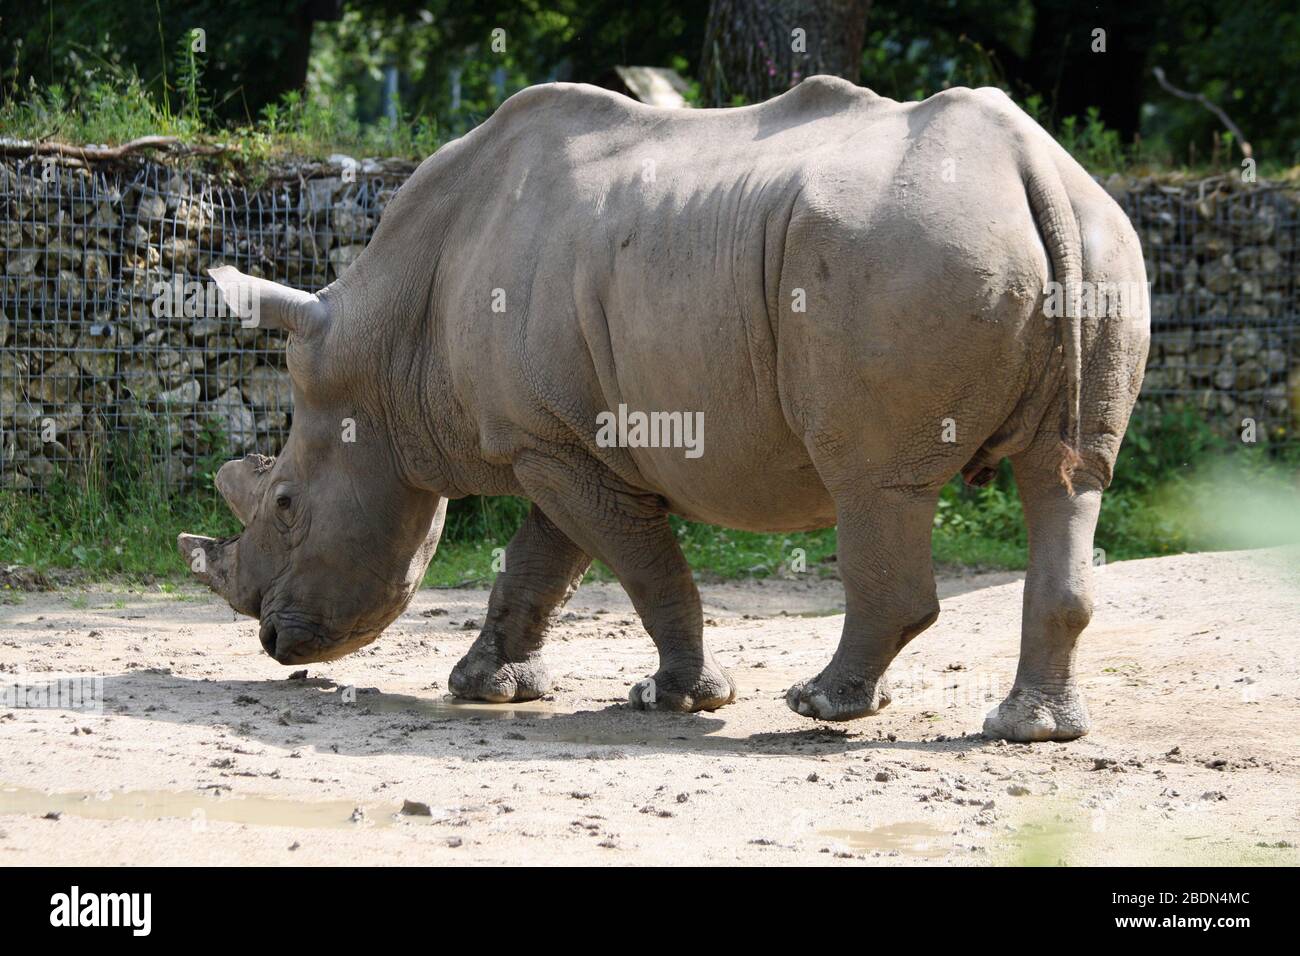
<point>199,807</point>
<point>447,708</point>
<point>909,839</point>
<point>640,738</point>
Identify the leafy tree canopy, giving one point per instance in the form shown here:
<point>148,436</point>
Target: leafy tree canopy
<point>451,69</point>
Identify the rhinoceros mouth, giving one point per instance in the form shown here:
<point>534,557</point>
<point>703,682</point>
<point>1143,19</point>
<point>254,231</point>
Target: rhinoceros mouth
<point>267,635</point>
<point>290,641</point>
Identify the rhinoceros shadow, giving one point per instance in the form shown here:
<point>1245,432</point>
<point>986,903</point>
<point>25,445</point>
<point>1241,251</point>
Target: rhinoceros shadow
<point>320,714</point>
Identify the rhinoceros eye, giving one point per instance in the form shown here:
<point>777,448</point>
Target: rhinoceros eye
<point>282,502</point>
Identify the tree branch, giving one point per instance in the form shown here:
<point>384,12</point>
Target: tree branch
<point>1204,101</point>
<point>12,147</point>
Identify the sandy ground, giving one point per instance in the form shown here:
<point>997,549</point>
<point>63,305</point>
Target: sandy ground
<point>208,752</point>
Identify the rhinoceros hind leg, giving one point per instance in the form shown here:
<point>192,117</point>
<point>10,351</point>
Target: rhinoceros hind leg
<point>1030,715</point>
<point>542,570</point>
<point>1044,703</point>
<point>884,560</point>
<point>628,529</point>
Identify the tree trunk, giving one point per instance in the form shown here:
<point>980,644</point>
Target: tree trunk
<point>756,49</point>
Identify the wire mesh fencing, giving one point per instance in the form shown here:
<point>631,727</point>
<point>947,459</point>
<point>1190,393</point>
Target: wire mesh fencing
<point>109,344</point>
<point>1222,262</point>
<point>112,344</point>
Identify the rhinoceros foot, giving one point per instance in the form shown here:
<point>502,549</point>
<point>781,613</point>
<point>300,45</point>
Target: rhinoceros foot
<point>480,676</point>
<point>829,697</point>
<point>684,691</point>
<point>1031,714</point>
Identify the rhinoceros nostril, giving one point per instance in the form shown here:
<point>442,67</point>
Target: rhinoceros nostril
<point>267,636</point>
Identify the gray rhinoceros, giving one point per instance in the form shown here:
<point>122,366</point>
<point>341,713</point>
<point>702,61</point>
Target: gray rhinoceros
<point>852,294</point>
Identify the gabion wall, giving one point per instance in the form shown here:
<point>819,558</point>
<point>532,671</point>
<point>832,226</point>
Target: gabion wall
<point>92,350</point>
<point>1225,301</point>
<point>101,320</point>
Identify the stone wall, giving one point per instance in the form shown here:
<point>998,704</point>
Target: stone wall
<point>1225,305</point>
<point>105,328</point>
<point>106,314</point>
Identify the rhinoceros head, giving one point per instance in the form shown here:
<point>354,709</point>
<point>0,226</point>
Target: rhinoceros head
<point>335,543</point>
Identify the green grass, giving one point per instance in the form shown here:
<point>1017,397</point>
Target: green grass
<point>106,103</point>
<point>132,537</point>
<point>1177,488</point>
<point>114,107</point>
<point>118,518</point>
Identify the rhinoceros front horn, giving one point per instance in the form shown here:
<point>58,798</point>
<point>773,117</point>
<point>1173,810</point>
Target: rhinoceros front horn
<point>212,561</point>
<point>261,303</point>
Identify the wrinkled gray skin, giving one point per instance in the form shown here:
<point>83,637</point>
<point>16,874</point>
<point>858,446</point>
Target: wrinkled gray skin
<point>652,257</point>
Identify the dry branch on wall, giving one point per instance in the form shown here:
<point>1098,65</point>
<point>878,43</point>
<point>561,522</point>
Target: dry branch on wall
<point>104,153</point>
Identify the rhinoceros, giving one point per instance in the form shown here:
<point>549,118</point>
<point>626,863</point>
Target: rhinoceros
<point>851,297</point>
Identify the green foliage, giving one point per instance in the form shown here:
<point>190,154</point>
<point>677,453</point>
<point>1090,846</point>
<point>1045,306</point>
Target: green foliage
<point>302,126</point>
<point>1094,146</point>
<point>112,108</point>
<point>1242,56</point>
<point>492,520</point>
<point>979,526</point>
<point>1173,492</point>
<point>724,553</point>
<point>904,62</point>
<point>1162,444</point>
<point>117,518</point>
<point>476,526</point>
<point>1042,50</point>
<point>63,74</point>
<point>189,82</point>
<point>254,50</point>
<point>458,61</point>
<point>694,95</point>
<point>1138,525</point>
<point>107,108</point>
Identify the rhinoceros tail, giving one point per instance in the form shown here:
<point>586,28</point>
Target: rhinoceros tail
<point>1060,231</point>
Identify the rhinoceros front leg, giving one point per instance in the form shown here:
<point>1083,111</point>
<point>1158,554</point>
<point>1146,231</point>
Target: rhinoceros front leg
<point>1044,703</point>
<point>628,529</point>
<point>889,593</point>
<point>542,570</point>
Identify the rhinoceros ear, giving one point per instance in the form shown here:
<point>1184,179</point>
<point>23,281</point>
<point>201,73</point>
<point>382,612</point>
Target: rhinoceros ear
<point>261,303</point>
<point>239,483</point>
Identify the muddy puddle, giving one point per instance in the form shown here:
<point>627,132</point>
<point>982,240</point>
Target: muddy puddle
<point>638,738</point>
<point>447,708</point>
<point>200,808</point>
<point>908,839</point>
